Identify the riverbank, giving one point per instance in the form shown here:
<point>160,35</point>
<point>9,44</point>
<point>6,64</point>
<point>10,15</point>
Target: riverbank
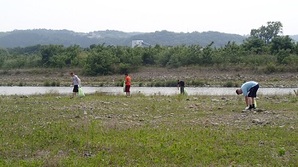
<point>150,76</point>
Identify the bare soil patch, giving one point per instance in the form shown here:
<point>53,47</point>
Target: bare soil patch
<point>212,76</point>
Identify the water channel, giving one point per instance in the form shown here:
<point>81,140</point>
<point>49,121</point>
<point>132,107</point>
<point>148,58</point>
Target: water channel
<point>24,90</point>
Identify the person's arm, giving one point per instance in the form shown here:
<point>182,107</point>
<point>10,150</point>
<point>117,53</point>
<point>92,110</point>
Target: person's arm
<point>72,81</point>
<point>78,81</point>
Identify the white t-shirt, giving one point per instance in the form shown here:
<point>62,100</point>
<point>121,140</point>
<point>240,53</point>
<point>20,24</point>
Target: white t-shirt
<point>76,80</point>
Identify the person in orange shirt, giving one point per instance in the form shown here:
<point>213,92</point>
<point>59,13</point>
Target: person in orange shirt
<point>127,84</point>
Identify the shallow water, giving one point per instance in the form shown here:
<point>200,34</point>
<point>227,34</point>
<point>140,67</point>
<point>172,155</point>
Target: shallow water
<point>15,90</point>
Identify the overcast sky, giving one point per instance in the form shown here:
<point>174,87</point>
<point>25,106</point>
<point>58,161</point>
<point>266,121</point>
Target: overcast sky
<point>228,16</point>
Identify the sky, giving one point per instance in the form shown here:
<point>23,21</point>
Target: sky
<point>227,16</point>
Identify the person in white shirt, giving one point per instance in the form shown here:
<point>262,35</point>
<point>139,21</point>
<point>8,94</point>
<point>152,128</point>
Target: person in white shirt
<point>76,82</point>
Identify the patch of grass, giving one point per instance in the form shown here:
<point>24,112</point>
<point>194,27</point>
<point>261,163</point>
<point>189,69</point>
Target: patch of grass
<point>197,83</point>
<point>110,130</point>
<point>51,83</point>
<point>21,84</point>
<point>229,84</point>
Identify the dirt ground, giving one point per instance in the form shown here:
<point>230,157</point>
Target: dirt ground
<point>214,77</point>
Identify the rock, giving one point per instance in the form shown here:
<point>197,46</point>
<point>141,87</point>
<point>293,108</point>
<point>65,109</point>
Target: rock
<point>214,100</point>
<point>257,121</point>
<point>259,110</point>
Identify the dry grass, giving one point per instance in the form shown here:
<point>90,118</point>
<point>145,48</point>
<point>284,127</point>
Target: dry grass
<point>145,75</point>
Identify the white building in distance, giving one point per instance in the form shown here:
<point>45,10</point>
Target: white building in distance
<point>139,43</point>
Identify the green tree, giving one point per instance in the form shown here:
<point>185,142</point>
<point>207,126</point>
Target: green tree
<point>101,61</point>
<point>282,56</point>
<point>164,56</point>
<point>179,57</point>
<point>3,56</point>
<point>296,48</point>
<point>72,55</point>
<point>207,55</point>
<point>232,53</point>
<point>47,52</point>
<point>282,43</point>
<point>194,54</point>
<point>267,33</point>
<point>58,60</point>
<point>254,45</point>
<point>148,56</point>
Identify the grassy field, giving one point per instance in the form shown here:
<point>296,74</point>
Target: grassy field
<point>110,130</point>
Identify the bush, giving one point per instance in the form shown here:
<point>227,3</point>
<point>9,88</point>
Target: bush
<point>230,84</point>
<point>158,84</point>
<point>270,68</point>
<point>54,83</point>
<point>46,83</point>
<point>171,83</point>
<point>21,84</point>
<point>196,83</point>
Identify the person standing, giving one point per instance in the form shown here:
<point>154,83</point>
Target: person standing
<point>76,82</point>
<point>249,90</point>
<point>127,80</point>
<point>181,85</point>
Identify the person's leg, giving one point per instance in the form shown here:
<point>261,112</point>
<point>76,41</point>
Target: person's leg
<point>75,90</point>
<point>73,93</point>
<point>128,93</point>
<point>127,90</point>
<point>253,102</point>
<point>253,95</point>
<point>249,101</point>
<point>246,101</point>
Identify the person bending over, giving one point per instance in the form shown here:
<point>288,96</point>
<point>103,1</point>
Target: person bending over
<point>249,90</point>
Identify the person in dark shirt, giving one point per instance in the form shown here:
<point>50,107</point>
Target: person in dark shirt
<point>181,85</point>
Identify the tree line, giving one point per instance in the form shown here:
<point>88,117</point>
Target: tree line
<point>264,47</point>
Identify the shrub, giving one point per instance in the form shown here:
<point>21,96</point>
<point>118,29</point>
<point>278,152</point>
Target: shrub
<point>46,83</point>
<point>270,68</point>
<point>229,84</point>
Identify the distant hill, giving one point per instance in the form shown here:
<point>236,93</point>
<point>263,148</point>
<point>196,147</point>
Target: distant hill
<point>172,39</point>
<point>25,38</point>
<point>294,37</point>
